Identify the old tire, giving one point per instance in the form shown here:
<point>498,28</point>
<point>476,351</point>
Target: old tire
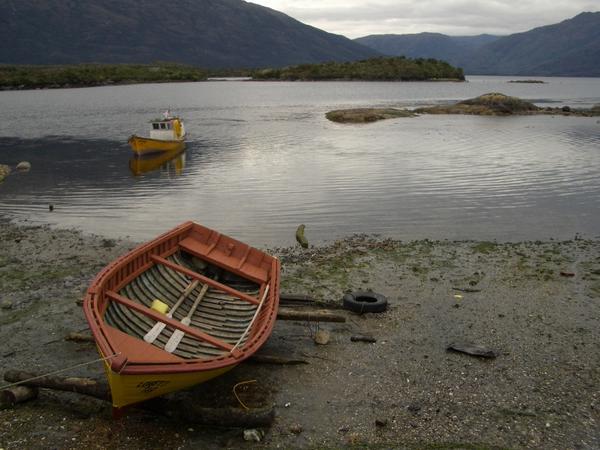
<point>365,302</point>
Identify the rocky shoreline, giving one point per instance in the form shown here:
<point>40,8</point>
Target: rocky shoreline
<point>535,304</point>
<point>492,104</point>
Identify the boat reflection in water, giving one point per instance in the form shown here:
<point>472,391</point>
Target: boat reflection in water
<point>172,162</point>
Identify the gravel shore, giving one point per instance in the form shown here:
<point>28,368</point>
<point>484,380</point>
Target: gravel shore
<point>536,304</point>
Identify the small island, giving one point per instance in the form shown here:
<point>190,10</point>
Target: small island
<point>492,104</point>
<point>528,81</point>
<point>374,69</point>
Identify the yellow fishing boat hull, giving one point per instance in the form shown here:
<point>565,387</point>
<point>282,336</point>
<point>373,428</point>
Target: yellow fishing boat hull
<point>130,389</point>
<point>142,145</point>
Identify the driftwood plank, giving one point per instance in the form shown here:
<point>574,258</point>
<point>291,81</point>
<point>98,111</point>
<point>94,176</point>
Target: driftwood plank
<point>274,359</point>
<point>316,315</point>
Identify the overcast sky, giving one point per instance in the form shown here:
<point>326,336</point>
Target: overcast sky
<point>356,18</point>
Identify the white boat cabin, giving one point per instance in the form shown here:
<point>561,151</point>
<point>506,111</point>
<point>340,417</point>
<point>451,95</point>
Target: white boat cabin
<point>167,129</point>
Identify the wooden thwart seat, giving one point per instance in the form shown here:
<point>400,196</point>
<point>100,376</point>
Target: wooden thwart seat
<point>173,323</point>
<point>204,279</point>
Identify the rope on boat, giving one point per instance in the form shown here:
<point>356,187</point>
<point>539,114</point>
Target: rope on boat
<point>59,371</point>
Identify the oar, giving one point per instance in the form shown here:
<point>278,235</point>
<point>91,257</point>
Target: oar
<point>177,335</point>
<point>151,335</point>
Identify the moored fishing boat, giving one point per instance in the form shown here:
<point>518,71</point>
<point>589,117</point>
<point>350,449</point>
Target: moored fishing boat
<point>179,310</point>
<point>167,134</point>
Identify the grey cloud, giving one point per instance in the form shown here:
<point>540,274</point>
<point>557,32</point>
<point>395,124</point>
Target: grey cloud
<point>463,17</point>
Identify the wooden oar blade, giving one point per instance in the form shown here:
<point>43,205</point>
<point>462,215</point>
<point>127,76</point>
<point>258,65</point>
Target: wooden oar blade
<point>176,337</point>
<point>151,335</point>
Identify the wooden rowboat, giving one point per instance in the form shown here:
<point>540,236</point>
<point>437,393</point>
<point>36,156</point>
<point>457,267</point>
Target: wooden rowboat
<point>179,310</point>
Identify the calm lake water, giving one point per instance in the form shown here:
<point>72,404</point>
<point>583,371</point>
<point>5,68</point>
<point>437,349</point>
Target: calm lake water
<point>262,159</point>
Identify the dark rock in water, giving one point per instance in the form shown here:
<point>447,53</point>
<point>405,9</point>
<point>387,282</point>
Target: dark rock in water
<point>50,207</point>
<point>566,109</point>
<point>366,115</point>
<point>24,166</point>
<point>472,349</point>
<point>492,104</point>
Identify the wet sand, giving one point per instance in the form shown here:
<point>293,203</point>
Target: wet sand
<point>404,391</point>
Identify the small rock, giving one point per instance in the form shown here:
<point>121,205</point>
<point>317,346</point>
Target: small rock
<point>566,109</point>
<point>322,337</point>
<point>6,304</point>
<point>296,428</point>
<point>24,166</point>
<point>380,423</point>
<point>51,207</point>
<point>253,435</point>
<point>414,408</point>
<point>354,438</point>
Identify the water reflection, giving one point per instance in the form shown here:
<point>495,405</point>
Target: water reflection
<point>266,151</point>
<point>170,162</point>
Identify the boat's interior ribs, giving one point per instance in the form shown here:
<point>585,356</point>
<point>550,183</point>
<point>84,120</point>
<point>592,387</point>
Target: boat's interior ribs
<point>224,312</point>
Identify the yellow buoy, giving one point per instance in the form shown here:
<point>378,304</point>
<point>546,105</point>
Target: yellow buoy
<point>159,306</point>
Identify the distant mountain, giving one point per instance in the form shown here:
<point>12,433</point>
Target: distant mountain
<point>569,48</point>
<point>205,33</point>
<point>427,45</point>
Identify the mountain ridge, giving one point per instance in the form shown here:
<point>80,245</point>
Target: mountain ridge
<point>568,48</point>
<point>205,33</point>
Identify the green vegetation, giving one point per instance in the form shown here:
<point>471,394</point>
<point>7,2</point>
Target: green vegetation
<point>485,247</point>
<point>34,77</point>
<point>37,77</point>
<point>375,69</point>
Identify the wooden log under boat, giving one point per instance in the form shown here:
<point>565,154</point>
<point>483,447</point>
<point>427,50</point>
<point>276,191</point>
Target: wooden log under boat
<point>221,293</point>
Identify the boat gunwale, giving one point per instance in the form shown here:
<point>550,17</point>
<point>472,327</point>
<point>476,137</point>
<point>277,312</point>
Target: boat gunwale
<point>97,323</point>
<point>135,136</point>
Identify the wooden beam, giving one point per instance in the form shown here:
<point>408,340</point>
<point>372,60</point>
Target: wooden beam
<point>312,315</point>
<point>203,279</point>
<point>170,322</point>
